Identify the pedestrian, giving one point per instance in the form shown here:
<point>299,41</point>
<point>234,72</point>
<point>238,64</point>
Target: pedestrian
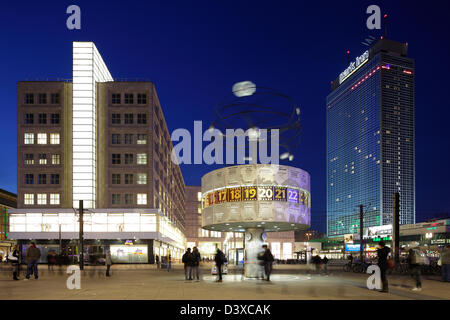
<point>220,259</point>
<point>325,264</point>
<point>32,257</point>
<point>169,263</point>
<point>14,258</point>
<point>268,261</point>
<point>196,263</point>
<point>188,261</point>
<point>51,260</point>
<point>383,253</point>
<point>108,262</point>
<point>414,267</point>
<point>445,262</point>
<point>317,261</point>
<point>157,262</point>
<point>350,259</point>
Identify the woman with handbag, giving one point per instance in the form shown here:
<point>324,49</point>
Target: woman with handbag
<point>384,263</point>
<point>14,258</point>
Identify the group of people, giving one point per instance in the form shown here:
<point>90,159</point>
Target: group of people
<point>319,262</point>
<point>191,261</point>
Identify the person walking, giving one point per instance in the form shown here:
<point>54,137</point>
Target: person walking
<point>188,262</point>
<point>157,262</point>
<point>33,254</point>
<point>325,264</point>
<point>219,258</point>
<point>414,268</point>
<point>14,258</point>
<point>108,262</point>
<point>268,261</point>
<point>51,260</point>
<point>445,262</point>
<point>383,253</point>
<point>196,263</point>
<point>169,263</point>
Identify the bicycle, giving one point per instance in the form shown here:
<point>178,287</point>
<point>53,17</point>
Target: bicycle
<point>348,267</point>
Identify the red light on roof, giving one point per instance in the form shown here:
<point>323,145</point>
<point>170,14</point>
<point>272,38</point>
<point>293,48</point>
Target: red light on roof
<point>381,37</point>
<point>348,51</point>
<point>385,15</point>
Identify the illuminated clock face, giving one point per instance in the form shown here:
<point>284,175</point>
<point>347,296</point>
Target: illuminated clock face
<point>248,236</point>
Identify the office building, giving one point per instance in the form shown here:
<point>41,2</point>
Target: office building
<point>370,140</point>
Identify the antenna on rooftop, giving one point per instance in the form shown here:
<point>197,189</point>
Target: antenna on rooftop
<point>385,25</point>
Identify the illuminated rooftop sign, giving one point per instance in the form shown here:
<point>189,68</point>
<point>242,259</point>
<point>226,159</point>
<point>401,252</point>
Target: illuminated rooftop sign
<point>354,66</point>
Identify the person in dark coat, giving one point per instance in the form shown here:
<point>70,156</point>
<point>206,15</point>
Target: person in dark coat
<point>32,257</point>
<point>219,258</point>
<point>414,268</point>
<point>325,264</point>
<point>188,261</point>
<point>108,262</point>
<point>157,261</point>
<point>15,262</point>
<point>196,262</point>
<point>268,261</point>
<point>383,253</point>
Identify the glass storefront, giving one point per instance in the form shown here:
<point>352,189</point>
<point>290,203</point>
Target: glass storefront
<point>129,254</point>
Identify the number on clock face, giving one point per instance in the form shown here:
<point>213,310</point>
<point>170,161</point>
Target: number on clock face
<point>234,194</point>
<point>221,195</point>
<point>265,193</point>
<point>279,193</point>
<point>293,195</point>
<point>249,193</point>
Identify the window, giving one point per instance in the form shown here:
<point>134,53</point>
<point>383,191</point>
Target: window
<point>54,178</point>
<point>54,118</point>
<point>54,198</point>
<point>128,138</point>
<point>128,158</point>
<point>42,198</point>
<point>115,198</point>
<point>128,178</point>
<point>42,118</point>
<point>42,99</point>
<point>141,158</point>
<point>141,178</point>
<point>129,198</point>
<point>142,139</point>
<point>29,158</point>
<point>54,98</point>
<point>29,99</point>
<point>29,118</point>
<point>42,158</point>
<point>142,118</point>
<point>42,138</point>
<point>54,138</point>
<point>116,98</point>
<point>128,118</point>
<point>115,118</point>
<point>28,198</point>
<point>56,159</point>
<point>128,98</point>
<point>116,158</point>
<point>115,178</point>
<point>142,98</point>
<point>28,138</point>
<point>115,139</point>
<point>142,198</point>
<point>42,179</point>
<point>29,177</point>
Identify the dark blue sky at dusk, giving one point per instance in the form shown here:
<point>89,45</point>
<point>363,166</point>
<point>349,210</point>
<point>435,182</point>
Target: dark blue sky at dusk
<point>194,51</point>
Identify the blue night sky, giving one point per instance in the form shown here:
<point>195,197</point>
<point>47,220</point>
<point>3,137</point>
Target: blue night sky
<point>194,51</point>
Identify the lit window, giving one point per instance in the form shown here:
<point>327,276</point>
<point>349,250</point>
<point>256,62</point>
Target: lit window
<point>54,138</point>
<point>42,138</point>
<point>142,139</point>
<point>29,158</point>
<point>56,159</point>
<point>28,198</point>
<point>199,196</point>
<point>28,138</point>
<point>42,198</point>
<point>142,178</point>
<point>141,158</point>
<point>142,198</point>
<point>54,198</point>
<point>42,158</point>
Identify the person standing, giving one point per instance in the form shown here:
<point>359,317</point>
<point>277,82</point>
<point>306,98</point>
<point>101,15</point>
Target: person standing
<point>325,264</point>
<point>445,262</point>
<point>268,261</point>
<point>32,257</point>
<point>108,262</point>
<point>14,258</point>
<point>383,253</point>
<point>196,263</point>
<point>219,258</point>
<point>414,268</point>
<point>169,263</point>
<point>157,262</point>
<point>187,260</point>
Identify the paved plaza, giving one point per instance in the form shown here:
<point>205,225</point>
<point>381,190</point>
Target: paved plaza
<point>146,282</point>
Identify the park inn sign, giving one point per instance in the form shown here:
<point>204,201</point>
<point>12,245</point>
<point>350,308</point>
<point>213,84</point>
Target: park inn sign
<point>354,66</point>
